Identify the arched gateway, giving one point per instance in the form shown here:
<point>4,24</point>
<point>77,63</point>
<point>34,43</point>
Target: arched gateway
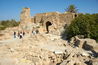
<point>48,23</point>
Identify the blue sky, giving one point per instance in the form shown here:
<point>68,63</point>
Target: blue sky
<point>10,9</point>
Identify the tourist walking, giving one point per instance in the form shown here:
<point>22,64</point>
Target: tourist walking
<point>21,35</point>
<point>14,34</point>
<point>18,34</point>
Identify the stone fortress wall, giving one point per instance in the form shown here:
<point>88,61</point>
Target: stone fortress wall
<point>51,22</point>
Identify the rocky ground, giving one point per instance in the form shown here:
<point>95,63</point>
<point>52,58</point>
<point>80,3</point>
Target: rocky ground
<point>47,49</point>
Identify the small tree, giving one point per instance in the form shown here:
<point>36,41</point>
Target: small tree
<point>72,9</point>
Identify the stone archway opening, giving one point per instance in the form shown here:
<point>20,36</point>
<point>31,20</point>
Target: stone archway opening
<point>75,15</point>
<point>48,23</point>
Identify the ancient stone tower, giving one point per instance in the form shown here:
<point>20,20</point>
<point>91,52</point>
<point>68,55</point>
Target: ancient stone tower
<point>25,15</point>
<point>25,19</point>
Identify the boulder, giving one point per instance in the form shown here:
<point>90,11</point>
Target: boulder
<point>86,44</point>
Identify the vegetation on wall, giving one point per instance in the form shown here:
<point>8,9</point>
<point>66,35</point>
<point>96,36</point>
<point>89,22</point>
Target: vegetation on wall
<point>72,9</point>
<point>8,23</point>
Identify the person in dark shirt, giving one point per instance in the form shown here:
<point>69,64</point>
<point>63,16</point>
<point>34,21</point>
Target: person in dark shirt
<point>14,34</point>
<point>23,33</point>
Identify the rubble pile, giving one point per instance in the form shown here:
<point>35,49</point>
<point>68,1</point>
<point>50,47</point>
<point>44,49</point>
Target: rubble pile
<point>48,49</point>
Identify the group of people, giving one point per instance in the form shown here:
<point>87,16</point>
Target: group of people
<point>19,34</point>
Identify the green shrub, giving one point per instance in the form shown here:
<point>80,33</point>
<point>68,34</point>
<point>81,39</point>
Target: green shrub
<point>86,25</point>
<point>2,27</point>
<point>8,23</point>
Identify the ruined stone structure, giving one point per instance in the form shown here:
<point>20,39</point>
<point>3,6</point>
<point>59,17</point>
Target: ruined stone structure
<point>25,15</point>
<point>51,22</point>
